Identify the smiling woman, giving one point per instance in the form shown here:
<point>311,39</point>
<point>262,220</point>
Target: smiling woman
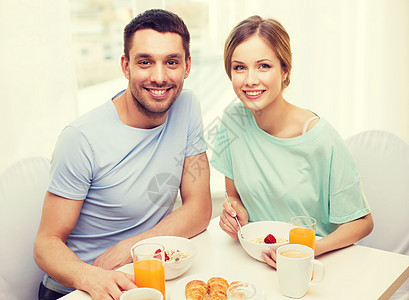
<point>286,160</point>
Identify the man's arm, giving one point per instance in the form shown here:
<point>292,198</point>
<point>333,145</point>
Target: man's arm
<point>187,221</point>
<point>53,256</point>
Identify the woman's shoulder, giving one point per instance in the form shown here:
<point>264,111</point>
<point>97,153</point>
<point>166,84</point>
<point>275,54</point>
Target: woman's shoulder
<point>236,111</point>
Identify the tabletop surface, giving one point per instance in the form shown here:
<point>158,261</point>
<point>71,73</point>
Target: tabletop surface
<point>355,272</point>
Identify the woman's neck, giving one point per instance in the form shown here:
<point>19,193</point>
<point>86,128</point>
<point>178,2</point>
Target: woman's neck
<point>275,118</point>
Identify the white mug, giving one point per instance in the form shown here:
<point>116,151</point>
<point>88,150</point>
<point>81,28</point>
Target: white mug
<point>142,293</point>
<point>295,266</point>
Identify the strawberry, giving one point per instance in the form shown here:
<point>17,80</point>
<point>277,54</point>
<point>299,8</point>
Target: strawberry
<point>158,256</point>
<point>159,251</point>
<point>270,239</point>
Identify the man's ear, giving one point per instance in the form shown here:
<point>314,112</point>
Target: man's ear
<point>188,66</point>
<point>125,66</point>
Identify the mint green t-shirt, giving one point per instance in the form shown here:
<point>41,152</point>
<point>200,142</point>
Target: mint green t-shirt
<point>310,175</point>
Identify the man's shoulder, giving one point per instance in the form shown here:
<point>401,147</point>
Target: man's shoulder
<point>94,117</point>
<point>185,102</point>
<point>186,96</point>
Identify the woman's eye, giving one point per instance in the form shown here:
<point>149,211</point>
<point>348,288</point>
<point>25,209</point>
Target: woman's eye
<point>265,66</point>
<point>238,68</point>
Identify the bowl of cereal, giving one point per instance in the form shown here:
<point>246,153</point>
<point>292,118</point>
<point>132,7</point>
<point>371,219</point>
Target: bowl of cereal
<point>259,237</point>
<point>179,254</point>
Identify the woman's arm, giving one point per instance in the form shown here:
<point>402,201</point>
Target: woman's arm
<point>346,234</point>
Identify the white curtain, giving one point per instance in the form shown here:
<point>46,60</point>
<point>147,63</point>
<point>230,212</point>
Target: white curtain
<point>350,65</point>
<point>37,77</point>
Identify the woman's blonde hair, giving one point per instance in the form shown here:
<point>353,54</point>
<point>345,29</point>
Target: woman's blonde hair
<point>271,31</point>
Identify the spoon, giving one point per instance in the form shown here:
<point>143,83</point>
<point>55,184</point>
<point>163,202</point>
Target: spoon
<point>238,223</point>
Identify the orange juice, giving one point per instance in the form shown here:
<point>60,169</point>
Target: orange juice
<point>303,236</point>
<point>150,273</point>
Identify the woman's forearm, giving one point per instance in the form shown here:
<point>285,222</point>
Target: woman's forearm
<point>345,235</point>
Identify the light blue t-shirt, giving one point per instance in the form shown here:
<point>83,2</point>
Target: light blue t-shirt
<point>129,177</point>
<point>311,175</point>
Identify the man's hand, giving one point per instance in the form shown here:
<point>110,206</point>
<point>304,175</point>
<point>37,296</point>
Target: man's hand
<point>106,284</point>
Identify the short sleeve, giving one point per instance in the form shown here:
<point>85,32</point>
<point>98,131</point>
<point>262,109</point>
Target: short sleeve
<point>71,165</point>
<point>195,140</point>
<point>347,198</point>
<point>221,158</point>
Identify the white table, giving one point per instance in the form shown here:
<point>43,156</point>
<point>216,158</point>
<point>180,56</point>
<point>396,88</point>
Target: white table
<point>355,272</point>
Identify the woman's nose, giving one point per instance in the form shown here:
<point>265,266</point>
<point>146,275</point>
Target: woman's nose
<point>251,78</point>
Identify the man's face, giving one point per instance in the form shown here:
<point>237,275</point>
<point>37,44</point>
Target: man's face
<point>156,70</point>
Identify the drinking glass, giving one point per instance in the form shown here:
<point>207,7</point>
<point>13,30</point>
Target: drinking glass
<point>303,231</point>
<point>149,266</point>
<point>241,290</point>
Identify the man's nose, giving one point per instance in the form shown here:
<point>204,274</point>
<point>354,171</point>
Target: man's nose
<point>159,74</point>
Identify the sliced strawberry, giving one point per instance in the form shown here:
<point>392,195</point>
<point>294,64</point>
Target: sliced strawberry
<point>166,257</point>
<point>270,239</point>
<point>158,256</point>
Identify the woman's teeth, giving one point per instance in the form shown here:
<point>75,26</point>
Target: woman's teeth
<point>253,93</point>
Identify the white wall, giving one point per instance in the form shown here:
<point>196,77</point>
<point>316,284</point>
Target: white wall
<point>37,78</point>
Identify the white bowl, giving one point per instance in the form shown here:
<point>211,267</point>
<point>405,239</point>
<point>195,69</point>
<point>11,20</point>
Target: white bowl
<point>254,230</point>
<point>174,269</point>
<point>142,293</point>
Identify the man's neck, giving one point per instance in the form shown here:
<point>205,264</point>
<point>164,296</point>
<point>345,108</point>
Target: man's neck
<point>131,115</point>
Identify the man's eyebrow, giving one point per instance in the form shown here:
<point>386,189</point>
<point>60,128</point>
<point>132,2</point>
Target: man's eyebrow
<point>175,55</point>
<point>142,55</point>
<point>147,55</point>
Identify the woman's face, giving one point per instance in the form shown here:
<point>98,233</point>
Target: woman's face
<point>256,74</point>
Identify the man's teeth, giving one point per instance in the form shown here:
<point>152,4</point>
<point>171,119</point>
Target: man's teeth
<point>158,92</point>
<point>253,93</point>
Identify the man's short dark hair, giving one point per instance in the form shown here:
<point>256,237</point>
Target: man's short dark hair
<point>159,20</point>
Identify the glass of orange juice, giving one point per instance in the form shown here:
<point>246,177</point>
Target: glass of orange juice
<point>149,266</point>
<point>302,231</point>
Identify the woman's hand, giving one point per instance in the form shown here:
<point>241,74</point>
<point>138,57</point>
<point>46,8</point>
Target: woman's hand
<point>270,258</point>
<point>227,221</point>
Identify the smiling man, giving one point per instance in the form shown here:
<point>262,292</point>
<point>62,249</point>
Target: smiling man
<point>116,170</point>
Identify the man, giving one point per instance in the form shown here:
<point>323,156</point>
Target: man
<point>116,170</point>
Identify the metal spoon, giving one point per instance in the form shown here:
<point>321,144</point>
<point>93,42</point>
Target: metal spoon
<point>238,223</point>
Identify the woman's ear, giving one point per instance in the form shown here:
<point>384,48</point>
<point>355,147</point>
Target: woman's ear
<point>284,75</point>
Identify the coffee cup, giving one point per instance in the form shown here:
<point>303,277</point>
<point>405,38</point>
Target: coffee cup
<point>142,294</point>
<point>295,268</point>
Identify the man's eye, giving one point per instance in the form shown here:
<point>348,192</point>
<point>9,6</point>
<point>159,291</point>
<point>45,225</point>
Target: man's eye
<point>173,62</point>
<point>144,63</point>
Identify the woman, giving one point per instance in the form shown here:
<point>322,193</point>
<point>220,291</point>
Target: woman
<point>281,160</point>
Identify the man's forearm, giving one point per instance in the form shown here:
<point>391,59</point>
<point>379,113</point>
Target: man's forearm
<point>56,259</point>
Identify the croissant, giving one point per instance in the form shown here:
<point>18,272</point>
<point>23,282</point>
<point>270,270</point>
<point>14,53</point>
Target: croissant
<point>217,288</point>
<point>195,290</point>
